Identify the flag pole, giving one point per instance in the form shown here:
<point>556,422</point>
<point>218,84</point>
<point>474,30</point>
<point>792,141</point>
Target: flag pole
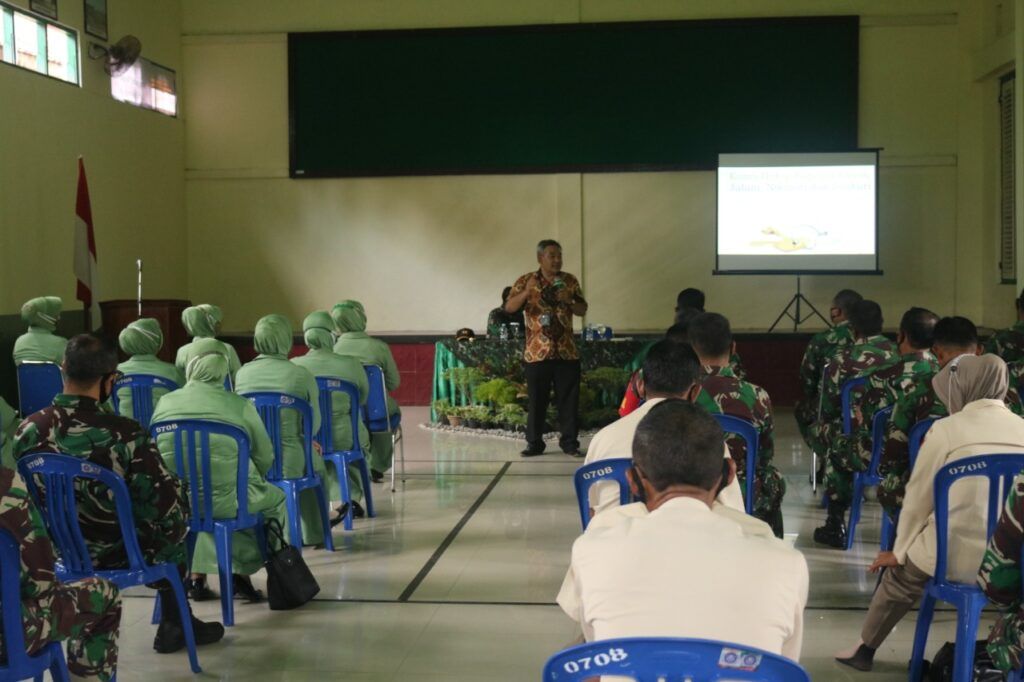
<point>138,265</point>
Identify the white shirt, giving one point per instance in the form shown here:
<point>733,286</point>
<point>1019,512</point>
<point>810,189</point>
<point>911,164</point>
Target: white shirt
<point>616,440</point>
<point>685,571</point>
<point>983,427</point>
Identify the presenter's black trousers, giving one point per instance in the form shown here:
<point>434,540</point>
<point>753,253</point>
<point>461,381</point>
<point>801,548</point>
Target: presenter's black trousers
<point>564,375</point>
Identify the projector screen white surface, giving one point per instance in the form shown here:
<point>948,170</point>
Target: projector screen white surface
<point>797,213</point>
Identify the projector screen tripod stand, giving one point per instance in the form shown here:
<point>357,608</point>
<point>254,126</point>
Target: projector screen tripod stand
<point>793,312</point>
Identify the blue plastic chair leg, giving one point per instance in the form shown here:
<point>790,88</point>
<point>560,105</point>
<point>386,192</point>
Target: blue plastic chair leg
<point>325,519</point>
<point>291,497</point>
<point>924,623</point>
<point>186,622</point>
<point>346,492</point>
<point>222,539</point>
<point>364,476</point>
<point>157,611</point>
<point>855,503</point>
<point>888,540</point>
<point>58,666</point>
<point>261,539</point>
<point>967,618</point>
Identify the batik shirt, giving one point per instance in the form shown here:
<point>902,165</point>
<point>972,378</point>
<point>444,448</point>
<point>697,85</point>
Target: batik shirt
<point>548,321</point>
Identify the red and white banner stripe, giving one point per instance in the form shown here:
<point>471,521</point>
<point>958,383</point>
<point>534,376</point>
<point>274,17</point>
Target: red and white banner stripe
<point>85,251</point>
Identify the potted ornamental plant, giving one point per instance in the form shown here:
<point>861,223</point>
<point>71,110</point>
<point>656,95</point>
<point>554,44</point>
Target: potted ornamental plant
<point>442,408</point>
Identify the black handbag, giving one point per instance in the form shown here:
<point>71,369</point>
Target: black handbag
<point>290,583</point>
<point>941,669</point>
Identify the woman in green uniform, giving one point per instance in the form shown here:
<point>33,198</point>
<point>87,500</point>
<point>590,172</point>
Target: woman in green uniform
<point>39,343</point>
<point>271,371</point>
<point>204,397</point>
<point>322,361</point>
<point>203,322</point>
<point>142,340</point>
<point>350,320</point>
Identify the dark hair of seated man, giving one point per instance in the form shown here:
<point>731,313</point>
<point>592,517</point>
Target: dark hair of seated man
<point>677,333</point>
<point>710,336</point>
<point>918,327</point>
<point>690,299</point>
<point>954,336</point>
<point>866,318</point>
<point>89,358</point>
<point>678,444</point>
<point>670,369</point>
<point>844,300</point>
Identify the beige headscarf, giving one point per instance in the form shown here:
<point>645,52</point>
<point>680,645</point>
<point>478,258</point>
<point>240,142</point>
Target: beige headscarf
<point>969,378</point>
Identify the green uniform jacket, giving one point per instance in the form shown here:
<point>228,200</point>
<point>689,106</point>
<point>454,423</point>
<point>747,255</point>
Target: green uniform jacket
<point>821,348</point>
<point>322,362</point>
<point>186,353</point>
<point>278,375</point>
<point>1008,343</point>
<point>198,400</point>
<point>39,345</point>
<point>147,364</point>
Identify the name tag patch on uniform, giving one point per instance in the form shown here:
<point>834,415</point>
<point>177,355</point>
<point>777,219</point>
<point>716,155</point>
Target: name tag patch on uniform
<point>738,659</point>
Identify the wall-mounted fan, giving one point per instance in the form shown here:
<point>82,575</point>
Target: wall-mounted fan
<point>119,57</point>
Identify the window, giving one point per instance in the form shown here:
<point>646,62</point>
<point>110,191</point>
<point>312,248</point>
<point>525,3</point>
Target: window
<point>37,44</point>
<point>147,85</point>
<point>1007,183</point>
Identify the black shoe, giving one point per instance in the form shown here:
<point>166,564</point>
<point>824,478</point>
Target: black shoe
<point>574,452</point>
<point>244,589</point>
<point>863,660</point>
<point>340,518</point>
<point>170,636</point>
<point>532,452</point>
<point>376,476</point>
<point>833,533</point>
<point>198,590</point>
<point>358,511</point>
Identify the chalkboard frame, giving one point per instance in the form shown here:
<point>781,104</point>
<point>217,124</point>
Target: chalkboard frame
<point>398,171</point>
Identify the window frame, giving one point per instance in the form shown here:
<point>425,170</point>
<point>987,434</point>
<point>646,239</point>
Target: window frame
<point>46,22</point>
<point>151,108</point>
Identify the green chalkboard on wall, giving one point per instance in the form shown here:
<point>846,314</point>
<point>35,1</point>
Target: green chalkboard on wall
<point>569,97</point>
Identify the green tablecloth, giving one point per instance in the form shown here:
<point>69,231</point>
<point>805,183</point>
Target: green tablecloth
<point>504,359</point>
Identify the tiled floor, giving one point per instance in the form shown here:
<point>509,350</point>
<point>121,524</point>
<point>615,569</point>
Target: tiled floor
<point>427,591</point>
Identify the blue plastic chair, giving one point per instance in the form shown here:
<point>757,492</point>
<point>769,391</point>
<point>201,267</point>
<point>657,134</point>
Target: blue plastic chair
<point>652,659</point>
<point>192,462</point>
<point>377,418</point>
<point>59,475</point>
<point>342,458</point>
<point>871,477</point>
<point>270,405</point>
<point>602,470</point>
<point>846,411</point>
<point>748,432</point>
<point>20,664</point>
<point>38,384</point>
<point>917,433</point>
<point>228,386</point>
<point>141,386</point>
<point>967,598</point>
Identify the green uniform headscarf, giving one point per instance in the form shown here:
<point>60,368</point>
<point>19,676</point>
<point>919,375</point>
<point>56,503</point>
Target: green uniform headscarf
<point>142,340</point>
<point>322,361</point>
<point>203,322</point>
<point>350,319</point>
<point>272,372</point>
<point>39,343</point>
<point>203,397</point>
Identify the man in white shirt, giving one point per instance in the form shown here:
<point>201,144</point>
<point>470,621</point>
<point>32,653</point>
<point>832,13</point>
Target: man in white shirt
<point>973,388</point>
<point>682,570</point>
<point>670,370</point>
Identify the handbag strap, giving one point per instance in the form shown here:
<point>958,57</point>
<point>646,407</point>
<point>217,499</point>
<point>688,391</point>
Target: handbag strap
<point>274,529</point>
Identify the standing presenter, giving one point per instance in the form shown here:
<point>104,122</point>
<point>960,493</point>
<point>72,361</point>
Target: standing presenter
<point>549,298</point>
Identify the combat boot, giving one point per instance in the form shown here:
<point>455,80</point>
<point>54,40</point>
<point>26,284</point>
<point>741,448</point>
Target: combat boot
<point>833,533</point>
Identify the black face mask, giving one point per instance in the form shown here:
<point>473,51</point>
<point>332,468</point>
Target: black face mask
<point>104,393</point>
<point>641,495</point>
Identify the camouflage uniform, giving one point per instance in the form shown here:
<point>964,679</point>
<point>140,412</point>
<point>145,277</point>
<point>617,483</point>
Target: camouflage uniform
<point>821,348</point>
<point>79,426</point>
<point>86,613</point>
<point>1000,579</point>
<point>1008,343</point>
<point>857,360</point>
<point>722,392</point>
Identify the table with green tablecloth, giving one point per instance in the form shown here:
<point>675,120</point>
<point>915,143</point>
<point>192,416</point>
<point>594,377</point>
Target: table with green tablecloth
<point>504,359</point>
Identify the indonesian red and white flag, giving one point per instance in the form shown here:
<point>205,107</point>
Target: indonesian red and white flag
<point>85,251</point>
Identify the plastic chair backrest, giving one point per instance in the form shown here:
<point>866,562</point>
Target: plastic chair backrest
<point>141,386</point>
<point>650,659</point>
<point>1000,471</point>
<point>750,435</point>
<point>846,396</point>
<point>328,387</point>
<point>59,474</point>
<point>38,383</point>
<point>878,424</point>
<point>270,405</point>
<point>19,664</point>
<point>917,433</point>
<point>192,461</point>
<point>377,400</point>
<point>228,386</point>
<point>602,470</point>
